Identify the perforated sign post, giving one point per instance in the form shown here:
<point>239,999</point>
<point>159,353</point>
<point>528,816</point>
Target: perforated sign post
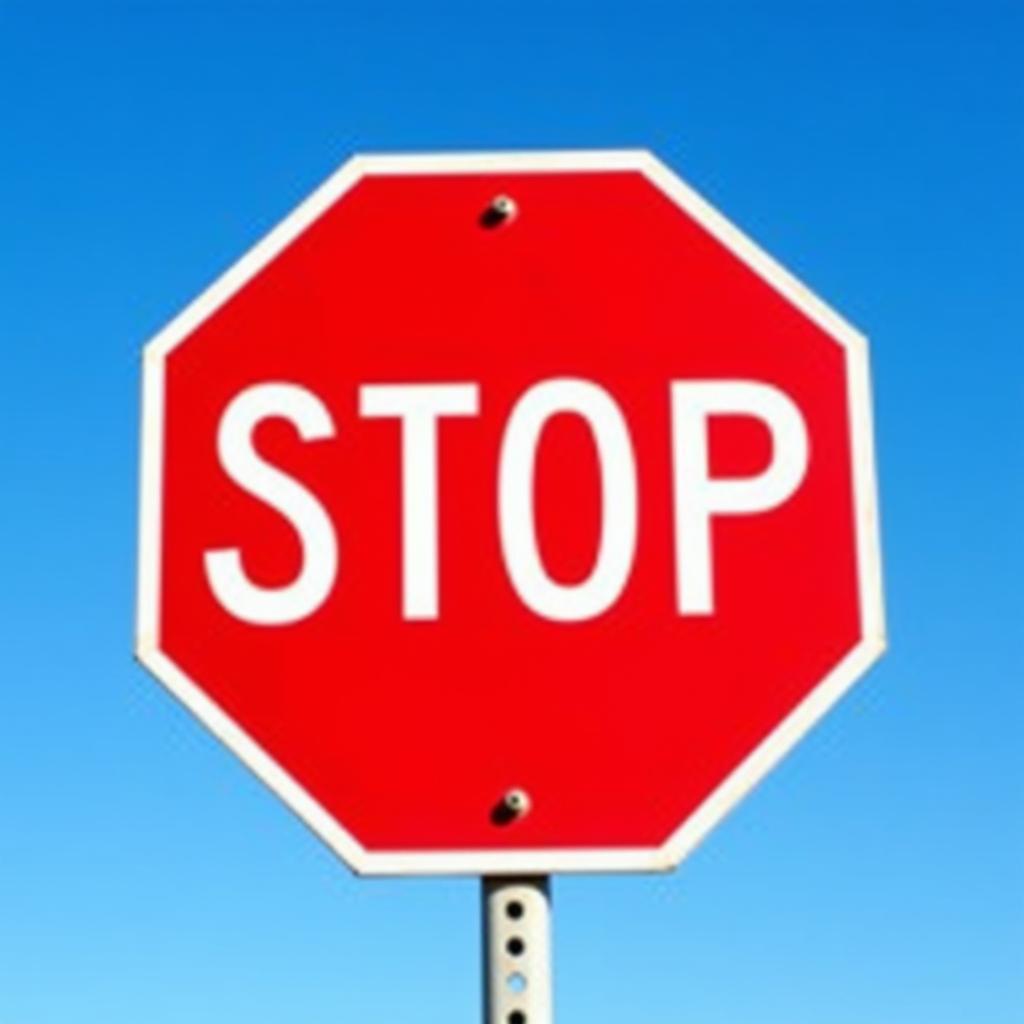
<point>508,515</point>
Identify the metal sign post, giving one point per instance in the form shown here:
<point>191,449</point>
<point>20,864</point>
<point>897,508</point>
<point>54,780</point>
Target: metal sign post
<point>517,950</point>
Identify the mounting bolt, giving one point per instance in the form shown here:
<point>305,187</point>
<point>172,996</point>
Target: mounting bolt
<point>516,803</point>
<point>500,210</point>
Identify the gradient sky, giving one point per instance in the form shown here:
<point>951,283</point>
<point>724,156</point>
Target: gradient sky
<point>876,149</point>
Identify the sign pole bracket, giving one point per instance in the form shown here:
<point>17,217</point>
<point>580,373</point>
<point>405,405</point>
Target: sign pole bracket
<point>517,950</point>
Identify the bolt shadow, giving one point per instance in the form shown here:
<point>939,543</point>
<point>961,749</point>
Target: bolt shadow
<point>502,815</point>
<point>492,218</point>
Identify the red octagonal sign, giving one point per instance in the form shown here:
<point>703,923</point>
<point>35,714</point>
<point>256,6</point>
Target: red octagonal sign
<point>508,513</point>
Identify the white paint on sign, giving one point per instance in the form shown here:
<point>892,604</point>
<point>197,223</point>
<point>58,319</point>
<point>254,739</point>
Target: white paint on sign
<point>590,597</point>
<point>232,586</point>
<point>698,496</point>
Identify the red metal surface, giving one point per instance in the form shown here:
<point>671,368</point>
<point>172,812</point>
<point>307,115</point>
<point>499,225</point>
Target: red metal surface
<point>409,732</point>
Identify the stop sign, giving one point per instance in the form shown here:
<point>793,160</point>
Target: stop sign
<point>508,513</point>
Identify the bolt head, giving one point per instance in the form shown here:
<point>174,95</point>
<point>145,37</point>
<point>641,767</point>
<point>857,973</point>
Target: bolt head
<point>503,206</point>
<point>517,801</point>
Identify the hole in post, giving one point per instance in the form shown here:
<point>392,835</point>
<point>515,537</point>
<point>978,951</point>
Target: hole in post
<point>515,910</point>
<point>515,946</point>
<point>516,982</point>
<point>517,1017</point>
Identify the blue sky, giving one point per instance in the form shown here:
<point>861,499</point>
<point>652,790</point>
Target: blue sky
<point>875,149</point>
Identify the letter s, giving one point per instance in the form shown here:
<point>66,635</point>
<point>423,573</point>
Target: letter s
<point>274,606</point>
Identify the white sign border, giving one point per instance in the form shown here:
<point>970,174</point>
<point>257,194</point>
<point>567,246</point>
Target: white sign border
<point>538,861</point>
